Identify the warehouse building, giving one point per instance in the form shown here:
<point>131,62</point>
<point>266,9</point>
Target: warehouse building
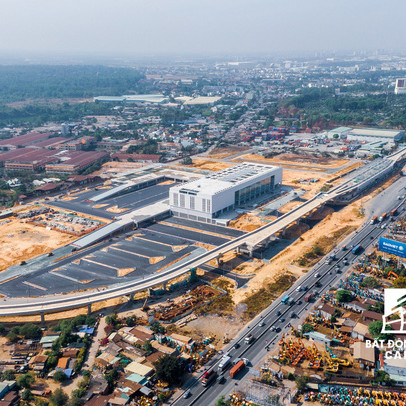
<point>207,198</point>
<point>367,134</point>
<point>75,161</point>
<point>132,98</point>
<point>23,140</point>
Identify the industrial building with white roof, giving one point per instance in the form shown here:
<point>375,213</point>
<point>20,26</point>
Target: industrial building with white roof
<point>367,134</point>
<point>207,198</point>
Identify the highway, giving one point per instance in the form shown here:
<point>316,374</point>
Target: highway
<point>44,304</point>
<point>266,335</point>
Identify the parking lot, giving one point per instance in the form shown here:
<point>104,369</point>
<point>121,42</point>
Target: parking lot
<point>137,255</point>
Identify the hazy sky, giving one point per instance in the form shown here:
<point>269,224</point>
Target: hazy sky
<point>200,26</point>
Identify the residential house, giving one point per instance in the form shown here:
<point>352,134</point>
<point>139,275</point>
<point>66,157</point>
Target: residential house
<point>98,400</point>
<point>164,348</point>
<point>138,368</point>
<point>105,360</point>
<point>326,311</point>
<point>37,363</point>
<point>360,331</point>
<point>369,316</point>
<point>363,355</point>
<point>355,306</point>
<point>119,401</point>
<point>181,340</point>
<point>396,369</point>
<point>10,399</point>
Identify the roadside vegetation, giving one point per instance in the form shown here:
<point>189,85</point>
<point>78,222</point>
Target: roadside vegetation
<point>324,245</point>
<point>262,298</point>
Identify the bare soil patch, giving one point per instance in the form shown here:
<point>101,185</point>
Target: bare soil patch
<point>314,161</point>
<point>221,153</point>
<point>210,165</point>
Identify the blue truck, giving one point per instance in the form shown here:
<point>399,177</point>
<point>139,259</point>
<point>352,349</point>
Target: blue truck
<point>285,300</point>
<point>357,249</point>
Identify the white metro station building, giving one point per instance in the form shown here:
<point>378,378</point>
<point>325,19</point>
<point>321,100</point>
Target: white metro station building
<point>207,198</point>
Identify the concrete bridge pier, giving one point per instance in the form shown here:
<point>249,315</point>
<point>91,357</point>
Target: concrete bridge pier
<point>164,286</point>
<point>267,242</point>
<point>218,260</point>
<point>89,308</point>
<point>42,317</point>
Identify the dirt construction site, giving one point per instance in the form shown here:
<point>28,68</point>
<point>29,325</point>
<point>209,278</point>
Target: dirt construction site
<point>312,162</point>
<point>39,230</point>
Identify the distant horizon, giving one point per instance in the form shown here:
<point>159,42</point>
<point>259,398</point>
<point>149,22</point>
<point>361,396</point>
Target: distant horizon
<point>83,58</point>
<point>134,28</point>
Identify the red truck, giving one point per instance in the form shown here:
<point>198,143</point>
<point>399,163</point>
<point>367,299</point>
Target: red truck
<point>393,212</point>
<point>208,377</point>
<point>308,297</point>
<point>373,219</point>
<point>240,365</point>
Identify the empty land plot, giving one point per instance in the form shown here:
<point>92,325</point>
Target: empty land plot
<point>221,153</point>
<point>210,165</point>
<point>307,161</point>
<point>112,168</point>
<point>20,241</point>
<point>248,222</point>
<point>306,181</point>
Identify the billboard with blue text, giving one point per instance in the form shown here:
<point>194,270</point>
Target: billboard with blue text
<point>392,247</point>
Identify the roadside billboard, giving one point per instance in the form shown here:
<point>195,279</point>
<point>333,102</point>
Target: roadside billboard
<point>392,247</point>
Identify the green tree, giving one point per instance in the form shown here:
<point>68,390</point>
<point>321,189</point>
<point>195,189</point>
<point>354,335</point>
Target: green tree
<point>383,377</point>
<point>27,395</point>
<point>41,402</point>
<point>187,161</point>
<point>301,382</point>
<point>52,361</point>
<point>222,401</point>
<point>131,321</point>
<point>377,307</point>
<point>112,319</point>
<point>369,282</point>
<point>8,375</point>
<point>344,296</point>
<point>25,381</point>
<point>59,397</point>
<point>11,337</point>
<point>59,376</point>
<point>400,283</point>
<point>2,329</point>
<point>375,329</point>
<point>157,328</point>
<point>147,347</point>
<point>169,369</point>
<point>31,331</point>
<point>76,398</point>
<point>111,378</point>
<point>307,328</point>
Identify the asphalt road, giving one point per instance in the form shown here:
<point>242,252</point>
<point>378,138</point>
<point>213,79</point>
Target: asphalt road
<point>326,275</point>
